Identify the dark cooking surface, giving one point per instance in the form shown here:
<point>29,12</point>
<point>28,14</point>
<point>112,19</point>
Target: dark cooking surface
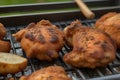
<point>75,73</point>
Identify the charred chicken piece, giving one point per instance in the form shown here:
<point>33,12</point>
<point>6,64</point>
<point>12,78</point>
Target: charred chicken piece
<point>49,73</point>
<point>110,23</point>
<point>5,46</point>
<point>91,47</point>
<point>42,40</point>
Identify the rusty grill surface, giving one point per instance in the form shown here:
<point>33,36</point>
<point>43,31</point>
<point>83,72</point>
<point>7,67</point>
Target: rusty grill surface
<point>109,72</point>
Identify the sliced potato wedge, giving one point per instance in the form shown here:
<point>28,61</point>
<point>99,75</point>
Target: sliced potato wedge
<point>11,63</point>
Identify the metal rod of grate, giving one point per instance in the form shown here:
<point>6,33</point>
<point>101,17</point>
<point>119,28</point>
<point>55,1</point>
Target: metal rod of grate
<point>75,73</point>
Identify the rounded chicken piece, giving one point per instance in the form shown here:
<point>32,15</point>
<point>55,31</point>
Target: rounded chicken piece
<point>5,45</point>
<point>91,47</point>
<point>110,23</point>
<point>42,40</point>
<point>2,31</point>
<point>48,73</point>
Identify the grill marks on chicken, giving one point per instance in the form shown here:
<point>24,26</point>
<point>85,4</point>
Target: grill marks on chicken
<point>42,40</point>
<point>91,47</point>
<point>5,46</point>
<point>53,35</point>
<point>34,34</point>
<point>110,23</point>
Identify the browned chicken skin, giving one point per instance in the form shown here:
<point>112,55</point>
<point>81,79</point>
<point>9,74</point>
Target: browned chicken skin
<point>110,23</point>
<point>91,47</point>
<point>49,73</point>
<point>2,31</point>
<point>42,40</point>
<point>4,45</point>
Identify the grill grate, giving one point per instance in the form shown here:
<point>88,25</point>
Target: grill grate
<point>75,73</point>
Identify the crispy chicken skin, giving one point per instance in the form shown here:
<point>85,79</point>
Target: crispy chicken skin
<point>2,31</point>
<point>69,31</point>
<point>42,40</point>
<point>48,73</point>
<point>5,46</point>
<point>91,47</point>
<point>110,23</point>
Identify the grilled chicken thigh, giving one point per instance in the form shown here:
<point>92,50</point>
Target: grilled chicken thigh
<point>110,23</point>
<point>49,73</point>
<point>5,46</point>
<point>91,47</point>
<point>42,40</point>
